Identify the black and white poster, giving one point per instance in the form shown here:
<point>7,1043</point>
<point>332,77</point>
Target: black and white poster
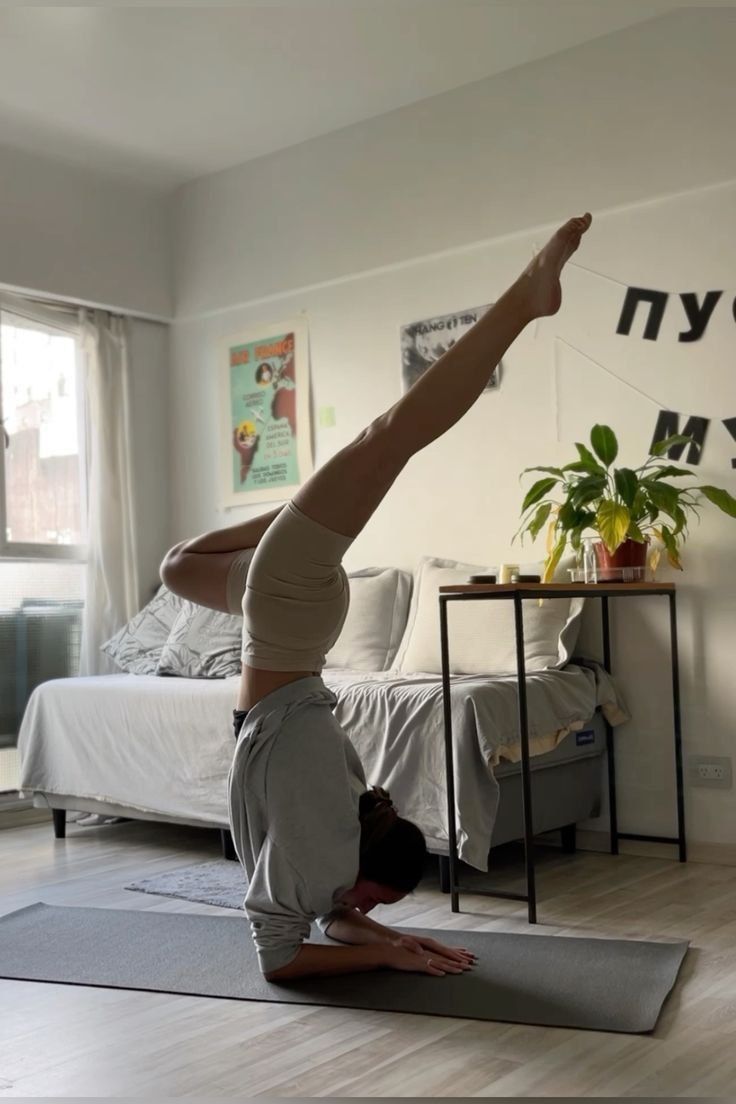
<point>423,343</point>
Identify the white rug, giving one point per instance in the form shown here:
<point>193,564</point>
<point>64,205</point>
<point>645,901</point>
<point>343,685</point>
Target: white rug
<point>220,882</point>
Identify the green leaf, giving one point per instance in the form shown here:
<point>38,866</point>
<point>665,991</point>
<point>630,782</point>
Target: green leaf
<point>537,523</point>
<point>588,460</point>
<point>568,516</point>
<point>680,519</point>
<point>720,498</point>
<point>661,447</point>
<point>539,490</point>
<point>634,533</point>
<point>626,484</point>
<point>663,496</point>
<point>604,443</point>
<point>585,490</point>
<point>551,471</point>
<point>579,466</point>
<point>613,522</point>
<point>667,471</point>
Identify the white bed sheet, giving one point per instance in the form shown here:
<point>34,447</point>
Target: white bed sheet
<point>164,745</point>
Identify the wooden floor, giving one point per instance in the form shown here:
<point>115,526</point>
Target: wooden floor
<point>60,1040</point>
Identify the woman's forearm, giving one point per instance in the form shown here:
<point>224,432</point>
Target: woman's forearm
<point>313,960</point>
<point>350,926</point>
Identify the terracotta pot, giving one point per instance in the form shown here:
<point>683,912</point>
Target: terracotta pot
<point>629,554</point>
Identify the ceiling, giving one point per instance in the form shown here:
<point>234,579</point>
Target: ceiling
<point>163,95</point>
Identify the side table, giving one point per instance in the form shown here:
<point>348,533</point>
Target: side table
<point>516,593</point>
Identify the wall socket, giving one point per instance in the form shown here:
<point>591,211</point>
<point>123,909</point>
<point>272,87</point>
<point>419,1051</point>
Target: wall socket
<point>710,770</point>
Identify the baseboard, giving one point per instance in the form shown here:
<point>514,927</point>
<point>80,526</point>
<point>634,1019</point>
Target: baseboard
<point>716,854</point>
<point>16,811</point>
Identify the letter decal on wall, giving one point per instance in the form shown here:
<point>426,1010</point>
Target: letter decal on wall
<point>668,425</point>
<point>698,316</point>
<point>730,424</point>
<point>634,296</point>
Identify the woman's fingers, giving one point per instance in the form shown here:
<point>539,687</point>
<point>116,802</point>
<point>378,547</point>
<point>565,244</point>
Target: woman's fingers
<point>445,965</point>
<point>458,954</point>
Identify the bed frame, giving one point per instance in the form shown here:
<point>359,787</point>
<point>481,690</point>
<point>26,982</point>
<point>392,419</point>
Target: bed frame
<point>566,789</point>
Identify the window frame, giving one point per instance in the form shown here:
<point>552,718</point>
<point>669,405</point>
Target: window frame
<point>64,321</point>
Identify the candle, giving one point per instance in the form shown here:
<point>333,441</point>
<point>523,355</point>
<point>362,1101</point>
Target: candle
<point>506,571</point>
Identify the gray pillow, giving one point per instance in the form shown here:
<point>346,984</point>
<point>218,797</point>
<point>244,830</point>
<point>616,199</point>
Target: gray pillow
<point>137,647</point>
<point>203,643</point>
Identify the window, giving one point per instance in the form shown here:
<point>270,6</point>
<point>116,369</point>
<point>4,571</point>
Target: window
<point>42,486</point>
<point>42,509</point>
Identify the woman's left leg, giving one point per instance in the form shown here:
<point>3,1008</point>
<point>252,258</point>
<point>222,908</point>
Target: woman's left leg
<point>200,569</point>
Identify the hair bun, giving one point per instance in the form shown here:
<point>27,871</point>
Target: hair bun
<point>377,815</point>
<point>374,799</point>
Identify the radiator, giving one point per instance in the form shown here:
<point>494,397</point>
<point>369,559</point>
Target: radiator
<point>38,641</point>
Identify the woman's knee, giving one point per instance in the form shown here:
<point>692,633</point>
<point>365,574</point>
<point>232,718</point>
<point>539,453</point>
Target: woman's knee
<point>380,447</point>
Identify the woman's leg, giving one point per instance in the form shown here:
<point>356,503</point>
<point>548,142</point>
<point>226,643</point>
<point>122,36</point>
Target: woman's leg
<point>345,492</point>
<point>198,569</point>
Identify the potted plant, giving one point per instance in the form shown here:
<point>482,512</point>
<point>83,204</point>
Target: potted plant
<point>624,507</point>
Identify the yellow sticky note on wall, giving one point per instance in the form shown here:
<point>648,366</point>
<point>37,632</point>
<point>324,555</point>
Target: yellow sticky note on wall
<point>327,416</point>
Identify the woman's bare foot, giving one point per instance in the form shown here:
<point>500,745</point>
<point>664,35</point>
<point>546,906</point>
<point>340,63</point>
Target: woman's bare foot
<point>541,280</point>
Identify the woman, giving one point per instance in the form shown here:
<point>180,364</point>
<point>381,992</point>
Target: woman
<point>315,842</point>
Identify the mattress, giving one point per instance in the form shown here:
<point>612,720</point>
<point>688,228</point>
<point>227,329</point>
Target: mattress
<point>162,746</point>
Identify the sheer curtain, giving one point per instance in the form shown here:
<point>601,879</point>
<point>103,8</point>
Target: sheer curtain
<point>112,585</point>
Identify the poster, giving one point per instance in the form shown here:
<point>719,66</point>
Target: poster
<point>265,425</point>
<point>422,343</point>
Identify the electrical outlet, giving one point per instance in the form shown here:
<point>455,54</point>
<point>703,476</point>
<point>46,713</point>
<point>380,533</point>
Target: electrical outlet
<point>710,770</point>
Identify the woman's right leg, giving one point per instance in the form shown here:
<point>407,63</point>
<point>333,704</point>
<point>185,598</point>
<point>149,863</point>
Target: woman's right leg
<point>344,493</point>
<point>295,594</point>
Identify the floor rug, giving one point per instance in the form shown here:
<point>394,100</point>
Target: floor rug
<point>598,984</point>
<point>217,882</point>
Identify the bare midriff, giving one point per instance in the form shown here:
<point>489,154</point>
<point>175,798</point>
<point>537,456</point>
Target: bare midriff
<point>256,683</point>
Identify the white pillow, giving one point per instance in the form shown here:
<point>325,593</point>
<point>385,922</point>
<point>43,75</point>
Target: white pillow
<point>481,634</point>
<point>202,643</point>
<point>374,626</point>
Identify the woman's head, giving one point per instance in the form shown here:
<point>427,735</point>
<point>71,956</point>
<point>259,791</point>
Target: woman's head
<point>392,853</point>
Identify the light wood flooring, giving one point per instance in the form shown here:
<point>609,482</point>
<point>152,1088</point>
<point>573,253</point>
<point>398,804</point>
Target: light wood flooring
<point>60,1040</point>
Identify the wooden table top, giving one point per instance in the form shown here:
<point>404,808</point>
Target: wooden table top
<point>534,589</point>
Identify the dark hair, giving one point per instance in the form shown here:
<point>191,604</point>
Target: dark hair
<point>392,849</point>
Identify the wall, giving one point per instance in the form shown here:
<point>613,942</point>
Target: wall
<point>574,133</point>
<point>636,114</point>
<point>80,235</point>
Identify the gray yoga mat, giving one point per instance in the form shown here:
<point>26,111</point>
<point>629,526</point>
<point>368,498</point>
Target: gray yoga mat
<point>600,984</point>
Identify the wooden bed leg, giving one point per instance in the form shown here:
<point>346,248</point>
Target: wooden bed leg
<point>444,873</point>
<point>59,816</point>
<point>228,847</point>
<point>568,837</point>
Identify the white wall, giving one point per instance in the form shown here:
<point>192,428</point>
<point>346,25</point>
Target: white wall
<point>77,234</point>
<point>594,128</point>
<point>640,113</point>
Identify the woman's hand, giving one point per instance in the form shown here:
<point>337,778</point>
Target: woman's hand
<point>422,945</point>
<point>420,960</point>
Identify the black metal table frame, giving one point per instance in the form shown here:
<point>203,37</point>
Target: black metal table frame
<point>518,593</point>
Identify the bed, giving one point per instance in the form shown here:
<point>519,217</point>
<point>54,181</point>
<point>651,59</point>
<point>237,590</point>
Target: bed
<point>159,748</point>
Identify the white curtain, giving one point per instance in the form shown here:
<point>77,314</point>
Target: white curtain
<point>112,592</point>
